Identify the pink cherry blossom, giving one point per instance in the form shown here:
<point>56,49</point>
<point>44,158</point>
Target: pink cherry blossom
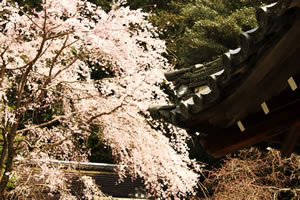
<point>46,60</point>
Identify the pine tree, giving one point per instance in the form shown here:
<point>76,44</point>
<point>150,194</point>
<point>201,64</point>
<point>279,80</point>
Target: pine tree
<point>213,27</point>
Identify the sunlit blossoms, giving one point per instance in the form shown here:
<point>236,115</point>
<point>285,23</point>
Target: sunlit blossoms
<point>49,101</point>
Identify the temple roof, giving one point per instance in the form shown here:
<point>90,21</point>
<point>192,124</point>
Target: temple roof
<point>217,96</point>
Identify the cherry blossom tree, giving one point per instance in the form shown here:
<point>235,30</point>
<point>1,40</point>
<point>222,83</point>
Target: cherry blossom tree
<point>49,101</point>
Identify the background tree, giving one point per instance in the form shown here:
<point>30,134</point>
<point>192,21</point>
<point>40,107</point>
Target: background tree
<point>213,27</point>
<point>197,31</point>
<point>50,104</point>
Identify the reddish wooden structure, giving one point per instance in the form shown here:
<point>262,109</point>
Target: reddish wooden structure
<point>249,94</point>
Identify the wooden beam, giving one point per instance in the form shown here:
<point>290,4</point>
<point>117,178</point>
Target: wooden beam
<point>266,127</point>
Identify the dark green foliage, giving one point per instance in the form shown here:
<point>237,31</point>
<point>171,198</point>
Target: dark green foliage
<point>100,152</point>
<point>152,5</point>
<point>197,31</point>
<point>166,16</point>
<point>213,27</point>
<point>104,4</point>
<point>27,4</point>
<point>100,72</point>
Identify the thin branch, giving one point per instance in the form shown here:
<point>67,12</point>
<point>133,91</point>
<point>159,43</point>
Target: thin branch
<point>2,73</point>
<point>30,65</point>
<point>56,57</point>
<point>70,64</point>
<point>2,54</point>
<point>45,21</point>
<point>20,147</point>
<point>123,102</point>
<point>106,113</point>
<point>31,20</point>
<point>54,27</point>
<point>42,125</point>
<point>31,62</point>
<point>52,145</point>
<point>276,188</point>
<point>3,67</point>
<point>59,35</point>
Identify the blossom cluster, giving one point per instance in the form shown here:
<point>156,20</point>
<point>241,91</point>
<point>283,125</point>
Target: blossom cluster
<point>46,60</point>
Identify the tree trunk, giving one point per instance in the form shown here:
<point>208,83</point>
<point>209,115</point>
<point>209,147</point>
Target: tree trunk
<point>11,153</point>
<point>3,153</point>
